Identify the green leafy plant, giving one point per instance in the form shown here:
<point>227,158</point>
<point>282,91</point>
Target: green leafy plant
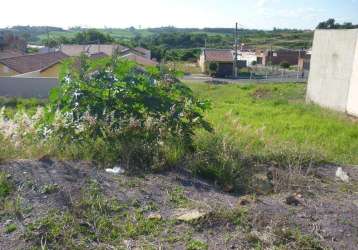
<point>196,245</point>
<point>10,228</point>
<point>5,186</point>
<point>134,111</point>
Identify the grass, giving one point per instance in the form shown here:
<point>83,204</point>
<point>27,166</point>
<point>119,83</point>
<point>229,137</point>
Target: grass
<point>177,197</point>
<point>273,121</point>
<point>5,186</point>
<point>10,228</point>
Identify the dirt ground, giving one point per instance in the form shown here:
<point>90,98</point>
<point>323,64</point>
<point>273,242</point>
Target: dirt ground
<point>326,211</point>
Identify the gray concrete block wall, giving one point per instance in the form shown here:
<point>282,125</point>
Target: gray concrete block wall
<point>332,64</point>
<point>26,87</point>
<point>352,105</point>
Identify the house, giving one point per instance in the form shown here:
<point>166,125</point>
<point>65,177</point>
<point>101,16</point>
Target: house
<point>89,49</point>
<point>32,65</point>
<point>248,57</point>
<point>276,57</point>
<point>108,49</point>
<point>223,58</point>
<point>141,60</point>
<point>6,53</point>
<point>333,79</point>
<point>304,62</point>
<point>140,55</point>
<point>145,52</point>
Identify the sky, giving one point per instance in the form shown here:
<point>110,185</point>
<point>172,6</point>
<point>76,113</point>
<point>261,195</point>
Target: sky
<point>259,14</point>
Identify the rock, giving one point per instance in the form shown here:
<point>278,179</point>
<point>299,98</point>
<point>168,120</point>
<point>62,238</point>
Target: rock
<point>261,184</point>
<point>245,200</point>
<point>115,170</point>
<point>7,222</point>
<point>154,216</point>
<point>190,215</point>
<point>343,176</point>
<point>294,200</point>
<point>355,202</point>
<point>46,159</point>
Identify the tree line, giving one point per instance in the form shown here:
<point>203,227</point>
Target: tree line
<point>331,24</point>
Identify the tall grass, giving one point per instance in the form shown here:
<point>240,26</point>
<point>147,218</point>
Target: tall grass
<point>269,120</point>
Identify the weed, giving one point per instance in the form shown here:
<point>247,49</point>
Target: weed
<point>49,189</point>
<point>218,158</point>
<point>281,118</point>
<point>196,245</point>
<point>5,185</point>
<point>177,197</point>
<point>10,228</point>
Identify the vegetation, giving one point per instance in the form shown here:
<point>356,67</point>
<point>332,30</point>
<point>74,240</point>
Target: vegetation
<point>5,186</point>
<point>110,111</point>
<point>272,121</point>
<point>331,24</point>
<point>90,36</point>
<point>169,43</point>
<point>113,112</point>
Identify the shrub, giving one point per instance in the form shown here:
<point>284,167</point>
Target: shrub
<point>133,111</point>
<point>213,68</point>
<point>285,65</point>
<point>219,159</point>
<point>5,186</point>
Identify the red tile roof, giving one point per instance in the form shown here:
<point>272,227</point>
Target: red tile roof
<point>142,50</point>
<point>218,55</point>
<point>7,53</point>
<point>98,55</point>
<point>33,62</point>
<point>140,60</point>
<point>78,49</point>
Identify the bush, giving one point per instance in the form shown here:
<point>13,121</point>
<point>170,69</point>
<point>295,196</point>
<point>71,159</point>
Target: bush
<point>131,111</point>
<point>219,159</point>
<point>213,68</point>
<point>5,186</point>
<point>285,65</point>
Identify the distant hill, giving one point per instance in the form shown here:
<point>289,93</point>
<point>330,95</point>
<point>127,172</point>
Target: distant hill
<point>276,38</point>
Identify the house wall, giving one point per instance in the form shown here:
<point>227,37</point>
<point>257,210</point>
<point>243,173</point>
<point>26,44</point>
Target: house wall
<point>249,57</point>
<point>201,63</point>
<point>26,87</point>
<point>333,55</point>
<point>6,71</point>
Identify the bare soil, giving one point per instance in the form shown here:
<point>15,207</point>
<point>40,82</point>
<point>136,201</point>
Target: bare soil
<point>327,211</point>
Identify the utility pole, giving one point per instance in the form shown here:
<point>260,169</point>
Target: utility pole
<point>236,51</point>
<point>298,66</point>
<point>48,40</point>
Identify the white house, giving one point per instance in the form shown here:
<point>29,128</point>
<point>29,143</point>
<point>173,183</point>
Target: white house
<point>248,56</point>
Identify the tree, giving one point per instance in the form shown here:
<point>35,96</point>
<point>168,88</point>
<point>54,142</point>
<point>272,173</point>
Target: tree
<point>213,68</point>
<point>285,65</point>
<point>331,24</point>
<point>92,36</point>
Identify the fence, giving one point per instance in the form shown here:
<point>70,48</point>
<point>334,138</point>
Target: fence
<point>38,87</point>
<point>276,74</point>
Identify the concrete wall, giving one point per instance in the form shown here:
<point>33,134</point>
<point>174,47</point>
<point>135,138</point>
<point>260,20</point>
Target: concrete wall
<point>26,87</point>
<point>352,105</point>
<point>333,56</point>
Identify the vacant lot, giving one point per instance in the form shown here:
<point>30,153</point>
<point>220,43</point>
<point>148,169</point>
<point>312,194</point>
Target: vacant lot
<point>268,118</point>
<point>266,143</point>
